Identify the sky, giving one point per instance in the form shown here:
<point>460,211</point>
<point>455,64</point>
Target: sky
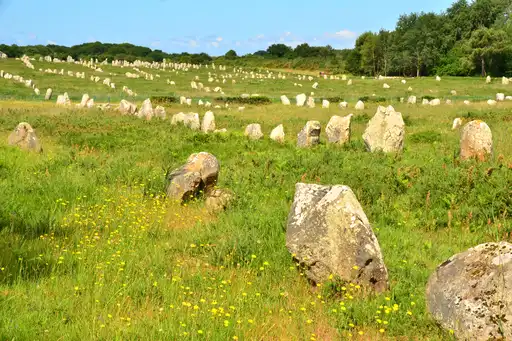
<point>211,26</point>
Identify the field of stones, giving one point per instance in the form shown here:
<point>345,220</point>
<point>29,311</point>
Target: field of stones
<point>205,202</point>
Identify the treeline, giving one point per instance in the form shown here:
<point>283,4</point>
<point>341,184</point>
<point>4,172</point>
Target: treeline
<point>469,38</point>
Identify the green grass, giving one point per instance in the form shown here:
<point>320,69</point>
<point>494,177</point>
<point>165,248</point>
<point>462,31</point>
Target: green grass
<point>91,250</point>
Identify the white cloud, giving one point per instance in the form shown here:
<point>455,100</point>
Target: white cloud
<point>155,44</point>
<point>51,42</point>
<point>215,44</point>
<point>219,39</point>
<point>345,34</point>
<point>260,36</point>
<point>193,43</point>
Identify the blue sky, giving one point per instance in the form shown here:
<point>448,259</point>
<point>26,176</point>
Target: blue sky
<point>201,25</point>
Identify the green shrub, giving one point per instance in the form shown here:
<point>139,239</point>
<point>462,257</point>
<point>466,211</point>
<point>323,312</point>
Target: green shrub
<point>254,100</point>
<point>428,97</point>
<point>164,99</point>
<point>428,136</point>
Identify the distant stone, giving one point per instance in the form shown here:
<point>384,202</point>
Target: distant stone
<point>438,78</point>
<point>488,80</point>
<point>311,102</point>
<point>386,86</point>
<point>160,112</point>
<point>466,102</point>
<point>90,103</point>
<point>315,85</point>
<point>25,138</point>
<point>425,102</point>
<point>285,100</point>
<point>491,102</point>
<point>277,134</point>
<point>48,95</point>
<point>309,135</point>
<point>343,105</point>
<point>359,105</point>
<point>301,99</point>
<point>349,82</point>
<point>338,129</point>
<point>190,120</point>
<point>37,92</point>
<point>411,100</point>
<point>208,122</point>
<point>409,89</point>
<point>253,131</point>
<point>500,97</point>
<point>84,100</point>
<point>199,173</point>
<point>146,110</point>
<point>476,141</point>
<point>189,101</point>
<point>329,234</point>
<point>505,81</point>
<point>457,123</point>
<point>448,101</point>
<point>126,107</point>
<point>404,81</point>
<point>325,104</point>
<point>385,131</point>
<point>470,293</point>
<point>435,102</point>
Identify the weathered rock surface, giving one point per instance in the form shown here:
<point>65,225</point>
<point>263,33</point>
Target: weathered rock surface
<point>359,105</point>
<point>146,110</point>
<point>159,112</point>
<point>190,120</point>
<point>218,200</point>
<point>457,123</point>
<point>385,131</point>
<point>208,122</point>
<point>471,293</point>
<point>253,131</point>
<point>199,173</point>
<point>126,107</point>
<point>25,137</point>
<point>338,129</point>
<point>301,99</point>
<point>309,135</point>
<point>329,233</point>
<point>285,100</point>
<point>277,134</point>
<point>476,141</point>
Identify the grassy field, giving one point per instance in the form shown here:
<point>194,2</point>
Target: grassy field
<point>91,250</point>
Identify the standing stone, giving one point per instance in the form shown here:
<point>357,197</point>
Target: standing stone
<point>199,173</point>
<point>453,93</point>
<point>385,131</point>
<point>315,85</point>
<point>208,122</point>
<point>311,102</point>
<point>146,110</point>
<point>25,138</point>
<point>349,82</point>
<point>504,81</point>
<point>488,80</point>
<point>359,105</point>
<point>309,135</point>
<point>329,234</point>
<point>435,102</point>
<point>253,131</point>
<point>90,103</point>
<point>471,293</point>
<point>277,134</point>
<point>325,104</point>
<point>84,100</point>
<point>386,86</point>
<point>338,129</point>
<point>438,78</point>
<point>457,123</point>
<point>126,107</point>
<point>160,112</point>
<point>62,101</point>
<point>48,95</point>
<point>285,100</point>
<point>411,100</point>
<point>476,141</point>
<point>37,92</point>
<point>491,102</point>
<point>500,97</point>
<point>301,99</point>
<point>343,105</point>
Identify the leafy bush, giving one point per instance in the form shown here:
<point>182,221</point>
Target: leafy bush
<point>255,100</point>
<point>335,99</point>
<point>428,97</point>
<point>164,99</point>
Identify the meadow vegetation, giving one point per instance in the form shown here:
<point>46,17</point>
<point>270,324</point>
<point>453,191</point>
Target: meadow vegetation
<point>92,250</point>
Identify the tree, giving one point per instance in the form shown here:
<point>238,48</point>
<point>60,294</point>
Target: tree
<point>486,43</point>
<point>278,50</point>
<point>231,54</point>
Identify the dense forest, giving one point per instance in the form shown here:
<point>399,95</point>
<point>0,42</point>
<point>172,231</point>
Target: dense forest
<point>469,38</point>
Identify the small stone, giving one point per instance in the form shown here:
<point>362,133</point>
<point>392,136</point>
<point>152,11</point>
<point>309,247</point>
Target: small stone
<point>253,131</point>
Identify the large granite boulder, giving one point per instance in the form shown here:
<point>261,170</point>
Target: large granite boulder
<point>385,131</point>
<point>329,234</point>
<point>476,141</point>
<point>309,135</point>
<point>471,293</point>
<point>338,129</point>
